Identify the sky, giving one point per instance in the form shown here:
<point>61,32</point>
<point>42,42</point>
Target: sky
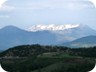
<point>25,13</point>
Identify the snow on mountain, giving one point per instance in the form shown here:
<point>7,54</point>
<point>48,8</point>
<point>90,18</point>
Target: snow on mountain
<point>52,27</point>
<point>12,36</point>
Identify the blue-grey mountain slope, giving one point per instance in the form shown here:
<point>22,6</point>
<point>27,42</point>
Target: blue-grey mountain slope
<point>88,41</point>
<point>12,36</point>
<point>75,33</point>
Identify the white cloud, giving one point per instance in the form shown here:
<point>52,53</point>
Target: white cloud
<point>2,2</point>
<point>44,4</point>
<point>64,4</point>
<point>4,6</point>
<point>94,2</point>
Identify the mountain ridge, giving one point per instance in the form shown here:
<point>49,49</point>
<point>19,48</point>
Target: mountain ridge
<point>88,41</point>
<point>12,36</point>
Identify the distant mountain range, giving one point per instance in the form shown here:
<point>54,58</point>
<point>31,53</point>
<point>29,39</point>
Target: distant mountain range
<point>66,32</point>
<point>87,41</point>
<point>12,36</point>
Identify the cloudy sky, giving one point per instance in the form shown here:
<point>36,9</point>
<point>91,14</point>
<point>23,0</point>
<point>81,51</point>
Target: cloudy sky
<point>24,13</point>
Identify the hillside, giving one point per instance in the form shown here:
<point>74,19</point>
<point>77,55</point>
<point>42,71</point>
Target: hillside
<point>30,50</point>
<point>37,58</point>
<point>88,41</point>
<point>12,36</point>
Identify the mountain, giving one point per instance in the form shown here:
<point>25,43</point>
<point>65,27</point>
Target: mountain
<point>12,36</point>
<point>66,32</point>
<point>88,41</point>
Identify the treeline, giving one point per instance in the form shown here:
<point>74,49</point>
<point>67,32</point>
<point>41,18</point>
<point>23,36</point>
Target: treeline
<point>34,50</point>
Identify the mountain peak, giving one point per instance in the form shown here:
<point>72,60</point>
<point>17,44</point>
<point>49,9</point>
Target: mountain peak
<point>52,27</point>
<point>9,27</point>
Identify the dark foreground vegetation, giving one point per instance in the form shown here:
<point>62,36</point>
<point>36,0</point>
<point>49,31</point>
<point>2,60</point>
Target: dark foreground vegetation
<point>37,58</point>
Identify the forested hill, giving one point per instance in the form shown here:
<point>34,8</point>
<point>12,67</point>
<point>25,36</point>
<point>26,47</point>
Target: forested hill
<point>35,50</point>
<point>37,58</point>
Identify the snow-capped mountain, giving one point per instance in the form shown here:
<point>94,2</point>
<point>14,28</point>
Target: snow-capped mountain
<point>43,34</point>
<point>65,32</point>
<point>52,27</point>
